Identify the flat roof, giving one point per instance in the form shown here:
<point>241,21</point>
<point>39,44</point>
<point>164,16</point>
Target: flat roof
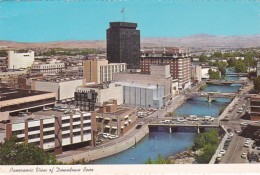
<point>11,93</point>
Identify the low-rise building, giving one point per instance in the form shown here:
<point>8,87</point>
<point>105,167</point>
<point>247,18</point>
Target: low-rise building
<point>105,92</point>
<point>13,101</point>
<point>116,120</point>
<point>52,130</point>
<point>51,67</point>
<point>11,73</point>
<point>62,87</point>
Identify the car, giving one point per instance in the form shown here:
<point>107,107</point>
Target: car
<point>106,135</point>
<point>181,120</point>
<point>243,124</point>
<point>222,151</point>
<point>46,108</point>
<point>238,131</point>
<point>246,145</point>
<point>243,155</point>
<point>230,134</point>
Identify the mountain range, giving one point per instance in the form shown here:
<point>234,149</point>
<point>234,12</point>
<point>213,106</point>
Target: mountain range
<point>195,41</point>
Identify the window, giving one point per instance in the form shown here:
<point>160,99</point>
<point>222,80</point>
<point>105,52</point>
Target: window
<point>48,140</point>
<point>34,128</point>
<point>48,133</point>
<point>66,135</point>
<point>86,124</point>
<point>48,125</point>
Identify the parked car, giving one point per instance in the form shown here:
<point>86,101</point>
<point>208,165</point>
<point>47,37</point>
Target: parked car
<point>243,155</point>
<point>222,151</point>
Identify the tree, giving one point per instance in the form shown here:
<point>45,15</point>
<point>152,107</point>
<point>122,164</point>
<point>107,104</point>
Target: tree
<point>257,84</point>
<point>208,142</point>
<point>240,66</point>
<point>203,58</point>
<point>159,160</point>
<point>217,55</point>
<point>214,74</point>
<point>13,153</point>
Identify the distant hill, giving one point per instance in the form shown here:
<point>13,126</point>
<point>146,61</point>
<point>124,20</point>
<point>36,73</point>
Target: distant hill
<point>200,40</point>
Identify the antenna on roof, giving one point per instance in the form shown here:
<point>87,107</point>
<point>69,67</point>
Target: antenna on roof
<point>123,13</point>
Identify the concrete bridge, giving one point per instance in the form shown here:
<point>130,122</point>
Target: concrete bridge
<point>211,95</point>
<point>236,74</point>
<point>198,127</point>
<point>225,82</point>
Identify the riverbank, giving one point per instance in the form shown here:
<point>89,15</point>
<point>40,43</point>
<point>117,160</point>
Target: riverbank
<point>114,147</point>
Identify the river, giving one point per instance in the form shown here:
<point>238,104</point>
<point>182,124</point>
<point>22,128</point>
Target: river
<point>166,144</point>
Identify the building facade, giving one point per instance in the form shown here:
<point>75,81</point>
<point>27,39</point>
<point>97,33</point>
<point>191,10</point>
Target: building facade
<point>10,73</point>
<point>123,44</point>
<point>105,92</point>
<point>52,67</point>
<point>258,69</point>
<point>159,75</point>
<point>54,132</point>
<point>17,60</point>
<point>148,96</point>
<point>63,88</point>
<point>96,69</point>
<point>179,64</point>
<point>255,108</point>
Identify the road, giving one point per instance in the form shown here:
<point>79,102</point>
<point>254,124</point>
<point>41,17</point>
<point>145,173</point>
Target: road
<point>236,146</point>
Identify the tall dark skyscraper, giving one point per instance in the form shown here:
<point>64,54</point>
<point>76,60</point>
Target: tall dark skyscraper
<point>123,44</point>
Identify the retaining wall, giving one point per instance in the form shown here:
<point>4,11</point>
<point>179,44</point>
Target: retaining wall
<point>102,152</point>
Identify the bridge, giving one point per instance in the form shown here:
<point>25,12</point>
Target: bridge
<point>225,82</point>
<point>211,95</point>
<point>236,74</point>
<point>198,126</point>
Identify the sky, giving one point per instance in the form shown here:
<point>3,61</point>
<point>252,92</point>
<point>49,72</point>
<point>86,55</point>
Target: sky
<point>61,20</point>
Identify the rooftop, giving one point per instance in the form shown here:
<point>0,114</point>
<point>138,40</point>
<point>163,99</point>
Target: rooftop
<point>58,79</point>
<point>10,93</point>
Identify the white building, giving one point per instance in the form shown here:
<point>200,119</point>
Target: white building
<point>17,60</point>
<point>52,67</point>
<point>105,92</point>
<point>63,88</point>
<point>143,95</point>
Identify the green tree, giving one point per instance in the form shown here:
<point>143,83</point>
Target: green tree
<point>13,153</point>
<point>214,74</point>
<point>257,84</point>
<point>217,55</point>
<point>159,160</point>
<point>203,58</point>
<point>208,142</point>
<point>240,66</point>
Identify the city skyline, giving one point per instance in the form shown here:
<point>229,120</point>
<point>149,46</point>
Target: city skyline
<point>43,21</point>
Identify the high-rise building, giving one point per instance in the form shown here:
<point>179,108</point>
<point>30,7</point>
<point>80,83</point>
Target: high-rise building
<point>17,60</point>
<point>123,44</point>
<point>179,63</point>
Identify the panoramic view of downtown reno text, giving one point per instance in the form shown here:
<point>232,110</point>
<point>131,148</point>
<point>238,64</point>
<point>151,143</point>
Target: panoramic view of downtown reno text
<point>129,82</point>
